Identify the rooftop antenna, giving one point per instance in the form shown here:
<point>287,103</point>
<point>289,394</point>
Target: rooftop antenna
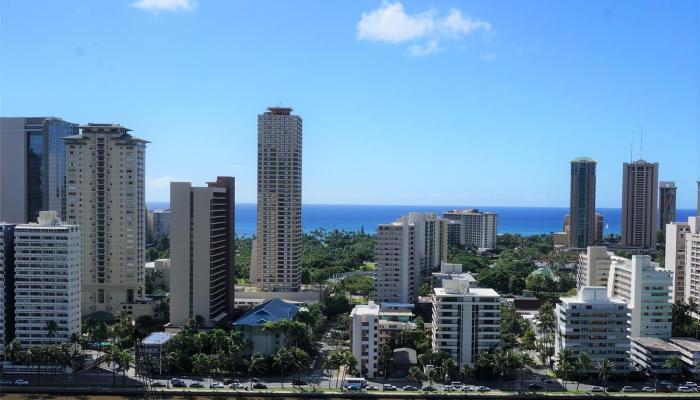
<point>641,142</point>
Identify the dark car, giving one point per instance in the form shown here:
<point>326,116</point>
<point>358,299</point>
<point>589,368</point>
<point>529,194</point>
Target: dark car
<point>259,385</point>
<point>299,382</point>
<point>534,386</point>
<point>428,389</point>
<point>410,388</point>
<point>196,385</point>
<point>612,389</point>
<point>179,384</point>
<point>229,381</point>
<point>157,384</point>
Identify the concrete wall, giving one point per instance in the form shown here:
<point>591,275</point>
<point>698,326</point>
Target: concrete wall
<point>13,171</point>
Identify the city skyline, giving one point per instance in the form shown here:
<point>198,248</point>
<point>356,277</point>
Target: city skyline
<point>453,80</point>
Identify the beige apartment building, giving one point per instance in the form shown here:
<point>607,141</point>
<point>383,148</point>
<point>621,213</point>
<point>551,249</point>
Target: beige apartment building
<point>675,255</point>
<point>276,264</point>
<point>202,251</point>
<point>105,197</point>
<point>639,199</point>
<point>407,250</point>
<point>692,261</point>
<point>476,228</point>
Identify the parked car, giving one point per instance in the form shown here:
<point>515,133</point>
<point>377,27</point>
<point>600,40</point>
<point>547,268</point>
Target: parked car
<point>596,389</point>
<point>157,384</point>
<point>259,385</point>
<point>353,388</point>
<point>456,384</point>
<point>484,389</point>
<point>690,384</point>
<point>178,383</point>
<point>217,385</point>
<point>236,385</point>
<point>628,389</point>
<point>389,388</point>
<point>685,389</point>
<point>299,382</point>
<point>428,389</point>
<point>372,388</point>
<point>648,389</point>
<point>5,382</point>
<point>448,388</point>
<point>665,383</point>
<point>21,382</point>
<point>410,388</point>
<point>534,386</point>
<point>196,385</point>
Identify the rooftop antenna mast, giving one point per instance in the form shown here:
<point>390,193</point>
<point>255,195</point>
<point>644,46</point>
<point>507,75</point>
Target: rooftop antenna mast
<point>641,142</point>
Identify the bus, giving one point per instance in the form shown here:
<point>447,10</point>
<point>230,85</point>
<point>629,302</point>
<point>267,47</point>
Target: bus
<point>351,381</point>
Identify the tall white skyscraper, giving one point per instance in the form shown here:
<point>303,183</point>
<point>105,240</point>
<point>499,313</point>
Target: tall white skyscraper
<point>277,258</point>
<point>105,197</point>
<point>202,251</point>
<point>47,267</point>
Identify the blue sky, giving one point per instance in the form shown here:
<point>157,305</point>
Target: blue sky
<point>411,102</point>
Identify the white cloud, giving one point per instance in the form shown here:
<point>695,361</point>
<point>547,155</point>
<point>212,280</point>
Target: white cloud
<point>390,23</point>
<point>423,50</point>
<point>165,5</point>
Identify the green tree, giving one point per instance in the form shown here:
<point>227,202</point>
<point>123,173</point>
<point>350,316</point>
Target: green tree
<point>675,364</point>
<point>385,357</point>
<point>606,368</point>
<point>416,374</point>
<point>257,366</point>
<point>547,324</point>
<point>528,340</point>
<point>565,366</point>
<point>582,365</point>
<point>282,360</point>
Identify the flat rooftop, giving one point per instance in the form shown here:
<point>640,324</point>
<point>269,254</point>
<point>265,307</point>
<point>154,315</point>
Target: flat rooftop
<point>653,343</point>
<point>688,343</point>
<point>157,338</point>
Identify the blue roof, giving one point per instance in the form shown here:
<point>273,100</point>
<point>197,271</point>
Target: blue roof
<point>157,338</point>
<point>270,311</point>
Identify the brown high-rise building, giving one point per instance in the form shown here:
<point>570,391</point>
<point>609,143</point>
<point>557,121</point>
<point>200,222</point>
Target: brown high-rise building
<point>202,251</point>
<point>276,262</point>
<point>639,197</point>
<point>582,217</point>
<point>667,203</point>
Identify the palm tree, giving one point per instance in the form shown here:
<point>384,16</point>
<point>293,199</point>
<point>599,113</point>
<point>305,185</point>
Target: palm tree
<point>484,362</point>
<point>13,350</point>
<point>606,368</point>
<point>110,359</point>
<point>281,361</point>
<point>349,363</point>
<point>524,360</point>
<point>257,366</point>
<point>547,323</point>
<point>201,364</point>
<point>298,360</point>
<point>76,362</point>
<point>675,364</point>
<point>385,356</point>
<point>583,363</point>
<point>335,360</point>
<point>126,361</point>
<point>51,329</point>
<point>565,365</point>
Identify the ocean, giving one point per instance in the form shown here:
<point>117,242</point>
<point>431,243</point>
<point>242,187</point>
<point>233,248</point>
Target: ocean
<point>522,220</point>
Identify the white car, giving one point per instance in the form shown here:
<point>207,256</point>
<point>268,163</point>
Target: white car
<point>684,389</point>
<point>21,382</point>
<point>217,385</point>
<point>235,385</point>
<point>596,389</point>
<point>648,389</point>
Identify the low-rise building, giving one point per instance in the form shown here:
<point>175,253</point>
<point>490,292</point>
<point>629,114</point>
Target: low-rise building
<point>466,320</point>
<point>158,272</point>
<point>595,324</point>
<point>249,296</point>
<point>154,347</point>
<point>251,325</point>
<point>650,354</point>
<point>689,352</point>
<point>452,271</point>
<point>365,338</point>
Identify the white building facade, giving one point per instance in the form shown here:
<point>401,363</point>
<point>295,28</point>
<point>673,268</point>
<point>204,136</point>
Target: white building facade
<point>365,338</point>
<point>466,320</point>
<point>47,281</point>
<point>676,253</point>
<point>595,324</point>
<point>477,228</point>
<point>594,267</point>
<point>647,290</point>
